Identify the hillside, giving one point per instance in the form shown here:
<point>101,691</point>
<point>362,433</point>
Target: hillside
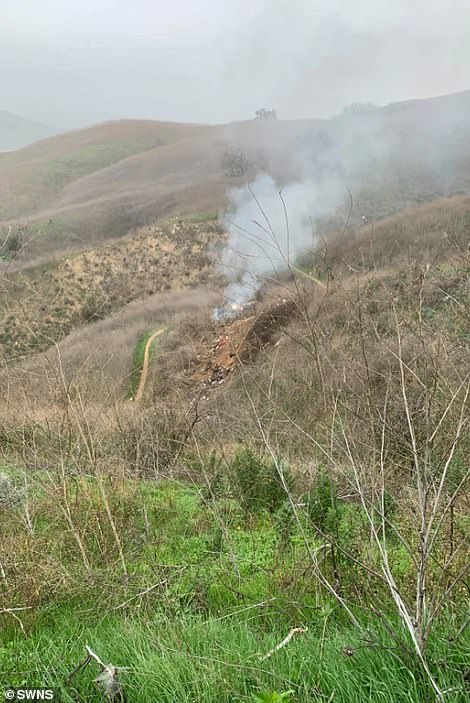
<point>42,304</point>
<point>107,293</point>
<point>282,513</point>
<point>39,173</point>
<point>80,188</point>
<point>17,132</point>
<point>273,481</point>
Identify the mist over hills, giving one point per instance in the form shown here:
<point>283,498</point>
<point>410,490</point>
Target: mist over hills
<point>82,187</point>
<point>111,185</point>
<point>17,132</point>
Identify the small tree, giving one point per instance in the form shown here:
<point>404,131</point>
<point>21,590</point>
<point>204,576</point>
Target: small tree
<point>235,163</point>
<point>12,243</point>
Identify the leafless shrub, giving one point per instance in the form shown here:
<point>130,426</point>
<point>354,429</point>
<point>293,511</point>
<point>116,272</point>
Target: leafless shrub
<point>385,411</point>
<point>235,163</point>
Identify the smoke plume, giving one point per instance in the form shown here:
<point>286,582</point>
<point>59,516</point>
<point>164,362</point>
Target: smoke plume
<point>269,228</point>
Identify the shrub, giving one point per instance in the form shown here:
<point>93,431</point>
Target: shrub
<point>257,481</point>
<point>322,505</point>
<point>235,163</point>
<point>94,308</point>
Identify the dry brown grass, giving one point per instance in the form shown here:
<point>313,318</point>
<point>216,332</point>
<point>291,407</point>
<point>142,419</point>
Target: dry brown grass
<point>423,233</point>
<point>43,305</point>
<point>36,174</point>
<point>97,359</point>
<point>340,351</point>
<point>80,188</point>
<point>331,365</point>
<point>114,191</point>
<point>317,352</point>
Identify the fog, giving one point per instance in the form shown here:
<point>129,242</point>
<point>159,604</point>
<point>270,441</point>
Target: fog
<point>69,64</point>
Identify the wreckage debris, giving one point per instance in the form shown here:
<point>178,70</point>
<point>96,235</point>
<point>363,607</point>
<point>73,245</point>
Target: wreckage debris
<point>232,311</point>
<point>240,338</point>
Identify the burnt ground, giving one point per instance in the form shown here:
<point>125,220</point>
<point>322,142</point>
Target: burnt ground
<point>239,341</point>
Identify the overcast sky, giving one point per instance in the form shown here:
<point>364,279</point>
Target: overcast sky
<point>75,62</point>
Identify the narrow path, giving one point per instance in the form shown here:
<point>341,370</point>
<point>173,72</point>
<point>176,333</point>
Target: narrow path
<point>145,366</point>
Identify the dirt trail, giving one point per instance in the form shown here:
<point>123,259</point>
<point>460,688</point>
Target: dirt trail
<point>145,367</point>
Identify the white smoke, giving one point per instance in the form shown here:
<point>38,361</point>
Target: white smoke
<point>270,228</point>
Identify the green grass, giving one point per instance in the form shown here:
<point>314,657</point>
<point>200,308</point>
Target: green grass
<point>89,159</point>
<point>201,217</point>
<point>218,660</point>
<point>198,605</point>
<point>45,178</point>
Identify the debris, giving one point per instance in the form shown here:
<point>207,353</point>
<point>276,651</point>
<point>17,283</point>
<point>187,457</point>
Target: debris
<point>10,495</point>
<point>295,631</point>
<point>240,338</point>
<point>232,311</point>
<point>108,678</point>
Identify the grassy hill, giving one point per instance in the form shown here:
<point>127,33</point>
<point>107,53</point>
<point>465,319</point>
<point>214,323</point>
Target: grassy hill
<point>80,188</point>
<point>39,173</point>
<point>285,514</point>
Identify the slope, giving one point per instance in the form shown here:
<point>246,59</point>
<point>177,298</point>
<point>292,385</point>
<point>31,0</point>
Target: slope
<point>38,173</point>
<point>43,304</point>
<point>132,287</point>
<point>83,187</point>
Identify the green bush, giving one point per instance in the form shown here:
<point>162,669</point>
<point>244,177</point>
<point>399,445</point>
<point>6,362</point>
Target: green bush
<point>257,481</point>
<point>284,523</point>
<point>323,509</point>
<point>94,308</point>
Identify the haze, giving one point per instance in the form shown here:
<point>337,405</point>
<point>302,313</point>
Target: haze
<point>69,64</point>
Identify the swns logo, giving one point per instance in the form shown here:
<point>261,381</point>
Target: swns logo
<point>30,694</point>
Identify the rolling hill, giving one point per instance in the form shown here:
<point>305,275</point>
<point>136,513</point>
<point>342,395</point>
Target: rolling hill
<point>91,204</point>
<point>76,189</point>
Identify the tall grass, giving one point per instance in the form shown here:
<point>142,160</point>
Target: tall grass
<point>218,660</point>
<point>210,587</point>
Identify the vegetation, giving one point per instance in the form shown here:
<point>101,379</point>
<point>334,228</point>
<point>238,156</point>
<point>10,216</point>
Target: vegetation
<point>334,499</point>
<point>286,517</point>
<point>42,304</point>
<point>188,593</point>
